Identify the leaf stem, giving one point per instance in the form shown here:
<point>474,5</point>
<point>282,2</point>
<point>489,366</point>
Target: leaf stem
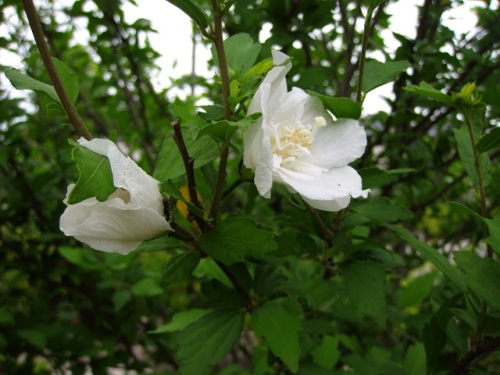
<point>477,163</point>
<point>362,57</point>
<point>219,186</point>
<point>69,108</point>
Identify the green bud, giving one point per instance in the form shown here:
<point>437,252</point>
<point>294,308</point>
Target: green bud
<point>467,97</point>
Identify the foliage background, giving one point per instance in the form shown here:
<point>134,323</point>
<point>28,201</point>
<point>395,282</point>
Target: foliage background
<point>360,296</point>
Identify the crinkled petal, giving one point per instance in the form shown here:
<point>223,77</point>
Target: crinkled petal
<point>334,184</point>
<point>337,145</point>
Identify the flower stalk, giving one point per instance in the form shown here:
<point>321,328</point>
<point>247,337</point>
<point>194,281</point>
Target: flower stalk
<point>69,108</point>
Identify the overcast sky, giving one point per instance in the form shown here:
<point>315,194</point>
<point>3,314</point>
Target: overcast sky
<point>173,40</point>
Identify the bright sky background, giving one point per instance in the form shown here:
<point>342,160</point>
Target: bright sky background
<point>173,40</point>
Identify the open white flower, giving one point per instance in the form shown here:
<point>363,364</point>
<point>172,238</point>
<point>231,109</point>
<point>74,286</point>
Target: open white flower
<point>297,143</point>
<point>132,214</point>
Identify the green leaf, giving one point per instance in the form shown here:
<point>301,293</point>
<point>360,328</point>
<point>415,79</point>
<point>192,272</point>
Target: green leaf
<point>181,320</point>
<point>415,360</point>
<point>432,255</point>
<point>424,89</point>
<point>34,337</point>
<point>68,78</point>
<point>170,165</point>
<point>494,228</point>
<point>327,353</point>
<point>258,69</point>
<point>96,177</point>
<point>241,52</point>
<point>489,141</point>
<point>81,257</point>
<point>279,328</point>
<point>466,153</point>
<point>364,285</point>
<point>416,290</point>
<point>234,239</point>
<point>377,74</point>
<point>340,107</point>
<point>146,287</point>
<point>223,130</point>
<point>206,341</point>
<point>381,208</point>
<point>22,81</point>
<point>193,11</point>
<point>481,275</point>
<point>186,115</point>
<point>121,298</point>
<point>180,267</point>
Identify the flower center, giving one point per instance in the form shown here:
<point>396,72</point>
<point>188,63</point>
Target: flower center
<point>290,142</point>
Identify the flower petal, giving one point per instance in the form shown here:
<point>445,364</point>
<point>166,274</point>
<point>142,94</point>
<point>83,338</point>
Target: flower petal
<point>334,184</point>
<point>337,145</point>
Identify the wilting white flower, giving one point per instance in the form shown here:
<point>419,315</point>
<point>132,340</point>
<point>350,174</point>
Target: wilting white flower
<point>297,143</point>
<point>132,214</point>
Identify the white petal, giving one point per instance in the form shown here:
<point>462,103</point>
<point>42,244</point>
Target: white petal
<point>332,205</point>
<point>334,184</point>
<point>108,226</point>
<point>337,145</point>
<point>127,174</point>
<point>132,214</point>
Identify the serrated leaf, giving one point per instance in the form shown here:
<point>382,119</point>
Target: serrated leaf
<point>22,81</point>
<point>432,255</point>
<point>260,68</point>
<point>68,78</point>
<point>234,239</point>
<point>192,10</point>
<point>466,153</point>
<point>180,267</point>
<point>340,107</point>
<point>481,275</point>
<point>223,130</point>
<point>206,341</point>
<point>381,208</point>
<point>327,353</point>
<point>424,89</point>
<point>377,74</point>
<point>489,141</point>
<point>494,239</point>
<point>96,177</point>
<point>241,52</point>
<point>279,328</point>
<point>364,285</point>
<point>185,114</point>
<point>181,320</point>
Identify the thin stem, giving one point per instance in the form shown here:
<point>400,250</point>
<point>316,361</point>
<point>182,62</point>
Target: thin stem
<point>231,187</point>
<point>362,57</point>
<point>218,40</point>
<point>69,108</point>
<point>219,186</point>
<point>189,166</point>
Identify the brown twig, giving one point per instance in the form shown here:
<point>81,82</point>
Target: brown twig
<point>69,108</point>
<point>481,348</point>
<point>189,166</point>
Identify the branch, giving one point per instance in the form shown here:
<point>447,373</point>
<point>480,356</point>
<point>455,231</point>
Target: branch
<point>189,166</point>
<point>71,112</point>
<point>481,348</point>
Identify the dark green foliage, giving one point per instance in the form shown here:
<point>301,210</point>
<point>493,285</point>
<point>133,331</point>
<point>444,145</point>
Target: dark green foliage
<point>403,282</point>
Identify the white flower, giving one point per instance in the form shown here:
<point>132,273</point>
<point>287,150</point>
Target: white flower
<point>132,214</point>
<point>297,143</point>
